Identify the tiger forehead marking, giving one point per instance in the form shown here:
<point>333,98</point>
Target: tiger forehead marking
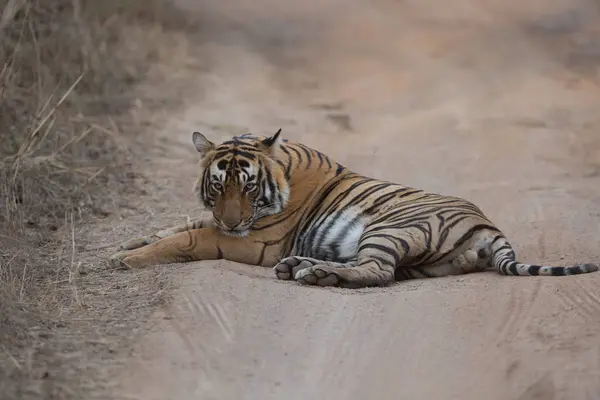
<point>235,160</point>
<point>233,169</point>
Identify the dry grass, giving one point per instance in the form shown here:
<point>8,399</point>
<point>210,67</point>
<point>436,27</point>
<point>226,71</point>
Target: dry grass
<point>68,69</point>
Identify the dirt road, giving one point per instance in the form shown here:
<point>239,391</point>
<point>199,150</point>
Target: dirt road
<point>490,101</point>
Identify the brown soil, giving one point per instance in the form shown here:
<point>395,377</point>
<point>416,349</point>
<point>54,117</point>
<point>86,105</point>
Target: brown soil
<point>492,101</point>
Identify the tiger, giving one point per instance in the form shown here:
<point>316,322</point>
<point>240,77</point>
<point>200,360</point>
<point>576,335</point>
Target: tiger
<point>281,204</point>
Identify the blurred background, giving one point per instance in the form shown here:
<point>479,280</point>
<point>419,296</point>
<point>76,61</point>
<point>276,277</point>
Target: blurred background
<point>492,100</point>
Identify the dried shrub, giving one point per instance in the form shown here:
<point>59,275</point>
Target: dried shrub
<point>67,73</point>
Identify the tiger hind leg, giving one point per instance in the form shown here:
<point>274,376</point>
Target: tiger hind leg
<point>384,256</point>
<point>372,269</point>
<point>311,271</point>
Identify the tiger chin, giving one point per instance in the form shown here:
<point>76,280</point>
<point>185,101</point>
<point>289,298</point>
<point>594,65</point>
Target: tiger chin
<point>284,205</point>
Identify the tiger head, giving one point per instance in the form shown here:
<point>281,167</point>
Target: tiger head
<point>240,180</point>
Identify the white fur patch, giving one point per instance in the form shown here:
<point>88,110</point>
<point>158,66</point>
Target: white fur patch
<point>243,233</point>
<point>345,232</point>
<point>214,170</point>
<point>285,195</point>
<point>249,171</point>
<point>349,243</point>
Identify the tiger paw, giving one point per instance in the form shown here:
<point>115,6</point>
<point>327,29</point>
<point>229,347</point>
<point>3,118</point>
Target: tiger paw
<point>124,260</point>
<point>318,275</point>
<point>136,243</point>
<point>287,268</point>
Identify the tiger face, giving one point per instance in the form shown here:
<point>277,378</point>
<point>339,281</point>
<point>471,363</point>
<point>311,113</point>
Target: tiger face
<point>240,181</point>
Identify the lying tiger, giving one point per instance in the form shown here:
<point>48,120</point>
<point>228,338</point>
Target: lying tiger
<point>284,205</point>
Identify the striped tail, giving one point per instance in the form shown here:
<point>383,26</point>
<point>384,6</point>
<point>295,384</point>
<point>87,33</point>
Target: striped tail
<point>504,260</point>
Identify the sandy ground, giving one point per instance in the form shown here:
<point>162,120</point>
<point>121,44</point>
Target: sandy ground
<point>489,100</point>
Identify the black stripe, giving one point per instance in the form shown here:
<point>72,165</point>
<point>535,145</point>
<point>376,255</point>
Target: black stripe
<point>381,260</point>
<point>244,154</point>
<point>384,249</point>
<point>320,157</point>
<point>297,154</point>
<point>534,269</point>
<point>401,274</point>
<point>288,168</point>
<point>271,183</point>
<point>249,148</point>
<point>469,234</point>
<point>466,236</point>
<point>327,160</point>
<point>422,272</point>
<point>412,191</point>
<point>262,255</point>
<point>496,239</point>
<point>416,208</point>
<point>361,196</point>
<point>446,231</point>
<point>282,165</point>
<point>221,154</point>
<point>504,247</point>
<point>308,155</point>
<point>205,187</point>
<point>384,199</point>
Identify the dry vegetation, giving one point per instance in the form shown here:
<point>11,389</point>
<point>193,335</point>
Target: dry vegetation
<point>68,74</point>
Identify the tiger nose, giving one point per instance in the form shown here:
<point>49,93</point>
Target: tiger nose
<point>231,222</point>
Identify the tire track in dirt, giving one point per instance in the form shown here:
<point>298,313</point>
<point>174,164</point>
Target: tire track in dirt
<point>582,301</point>
<point>517,313</point>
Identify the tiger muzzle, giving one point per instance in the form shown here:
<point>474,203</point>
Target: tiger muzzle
<point>230,223</point>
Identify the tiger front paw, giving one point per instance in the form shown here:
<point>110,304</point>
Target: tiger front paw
<point>124,260</point>
<point>138,242</point>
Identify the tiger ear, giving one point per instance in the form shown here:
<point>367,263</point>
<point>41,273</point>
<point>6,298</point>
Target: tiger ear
<point>203,145</point>
<point>271,144</point>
